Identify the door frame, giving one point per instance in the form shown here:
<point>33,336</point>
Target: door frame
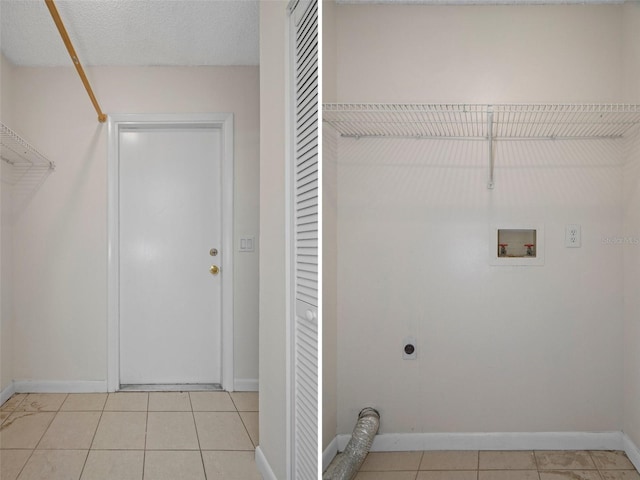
<point>117,122</point>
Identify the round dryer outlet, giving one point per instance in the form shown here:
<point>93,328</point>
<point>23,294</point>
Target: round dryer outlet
<point>409,348</point>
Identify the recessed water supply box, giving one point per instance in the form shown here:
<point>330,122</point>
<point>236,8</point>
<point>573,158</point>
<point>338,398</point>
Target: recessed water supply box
<point>516,244</point>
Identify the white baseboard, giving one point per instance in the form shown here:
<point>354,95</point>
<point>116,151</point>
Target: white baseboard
<point>632,451</point>
<point>329,453</point>
<point>393,442</point>
<point>35,386</point>
<point>263,465</point>
<point>7,393</point>
<point>245,384</point>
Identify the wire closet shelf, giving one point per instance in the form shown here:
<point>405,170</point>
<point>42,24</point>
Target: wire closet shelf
<point>18,153</point>
<point>488,122</point>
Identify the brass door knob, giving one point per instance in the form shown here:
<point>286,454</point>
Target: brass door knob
<point>214,269</point>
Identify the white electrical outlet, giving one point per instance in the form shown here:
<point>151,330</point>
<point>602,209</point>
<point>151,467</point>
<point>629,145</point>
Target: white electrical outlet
<point>409,348</point>
<point>572,236</point>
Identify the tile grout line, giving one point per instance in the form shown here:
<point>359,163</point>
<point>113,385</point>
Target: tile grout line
<point>43,433</point>
<point>535,461</point>
<point>15,407</point>
<point>195,425</point>
<point>536,467</point>
<point>84,465</point>
<point>247,430</point>
<point>242,421</point>
<point>101,412</point>
<point>51,422</point>
<point>32,450</point>
<point>146,425</point>
<point>594,463</point>
<point>601,470</point>
<point>232,401</point>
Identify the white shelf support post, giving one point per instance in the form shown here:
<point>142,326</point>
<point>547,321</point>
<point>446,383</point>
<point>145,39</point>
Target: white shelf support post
<point>490,183</point>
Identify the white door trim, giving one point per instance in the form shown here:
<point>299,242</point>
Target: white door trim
<point>223,121</point>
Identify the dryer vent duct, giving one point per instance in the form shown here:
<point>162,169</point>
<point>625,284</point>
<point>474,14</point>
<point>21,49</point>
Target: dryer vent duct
<point>346,464</point>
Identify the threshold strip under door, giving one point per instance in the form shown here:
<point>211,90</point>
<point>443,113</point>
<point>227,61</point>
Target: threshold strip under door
<point>179,387</point>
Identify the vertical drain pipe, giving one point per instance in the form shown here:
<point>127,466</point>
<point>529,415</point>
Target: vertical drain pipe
<point>346,464</point>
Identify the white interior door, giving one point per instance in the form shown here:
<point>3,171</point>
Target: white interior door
<point>170,220</point>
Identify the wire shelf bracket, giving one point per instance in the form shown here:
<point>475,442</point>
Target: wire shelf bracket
<point>493,123</point>
<point>19,154</point>
<point>492,158</point>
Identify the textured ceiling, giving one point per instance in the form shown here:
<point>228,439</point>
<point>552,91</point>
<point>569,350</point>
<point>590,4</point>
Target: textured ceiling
<point>132,32</point>
<point>157,32</point>
<point>486,2</point>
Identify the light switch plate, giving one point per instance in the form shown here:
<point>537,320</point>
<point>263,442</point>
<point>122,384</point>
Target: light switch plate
<point>573,236</point>
<point>247,243</point>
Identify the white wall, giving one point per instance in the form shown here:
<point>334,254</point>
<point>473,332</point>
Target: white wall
<point>499,348</point>
<point>60,230</point>
<point>6,308</point>
<point>329,235</point>
<point>273,393</point>
<point>631,425</point>
<point>329,287</point>
<point>478,53</point>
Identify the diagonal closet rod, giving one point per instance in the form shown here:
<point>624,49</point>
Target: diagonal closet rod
<point>74,58</point>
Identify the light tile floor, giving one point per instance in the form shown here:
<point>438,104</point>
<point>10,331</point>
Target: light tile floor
<point>498,465</point>
<point>129,436</point>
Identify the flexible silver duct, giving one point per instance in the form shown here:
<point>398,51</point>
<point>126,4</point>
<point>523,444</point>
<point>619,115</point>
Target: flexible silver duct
<point>345,465</point>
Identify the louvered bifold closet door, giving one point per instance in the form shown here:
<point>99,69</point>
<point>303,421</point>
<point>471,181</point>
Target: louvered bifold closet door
<point>304,22</point>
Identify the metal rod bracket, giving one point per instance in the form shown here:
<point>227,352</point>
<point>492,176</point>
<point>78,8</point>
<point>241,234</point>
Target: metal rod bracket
<point>491,182</point>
